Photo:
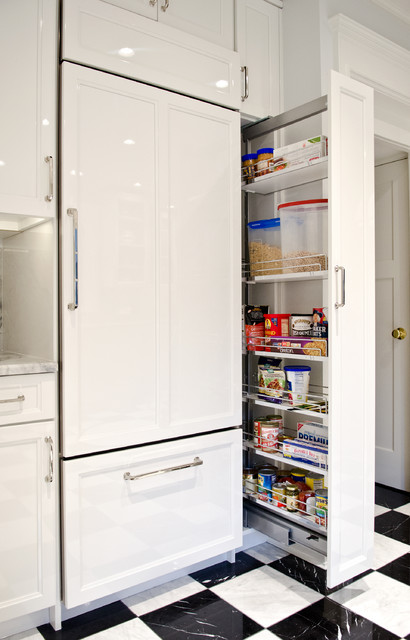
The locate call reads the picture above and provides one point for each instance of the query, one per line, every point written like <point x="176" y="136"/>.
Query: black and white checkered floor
<point x="268" y="594"/>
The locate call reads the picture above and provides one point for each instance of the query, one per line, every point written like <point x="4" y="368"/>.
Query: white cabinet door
<point x="28" y="520"/>
<point x="212" y="20"/>
<point x="119" y="532"/>
<point x="352" y="333"/>
<point x="147" y="8"/>
<point x="258" y="44"/>
<point x="111" y="38"/>
<point x="152" y="349"/>
<point x="28" y="60"/>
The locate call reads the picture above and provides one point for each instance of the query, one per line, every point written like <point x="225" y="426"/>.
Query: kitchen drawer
<point x="27" y="398"/>
<point x="120" y="532"/>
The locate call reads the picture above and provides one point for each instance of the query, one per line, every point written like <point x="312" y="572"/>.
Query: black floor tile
<point x="89" y="623"/>
<point x="308" y="574"/>
<point x="225" y="570"/>
<point x="329" y="620"/>
<point x="390" y="498"/>
<point x="399" y="569"/>
<point x="200" y="617"/>
<point x="393" y="525"/>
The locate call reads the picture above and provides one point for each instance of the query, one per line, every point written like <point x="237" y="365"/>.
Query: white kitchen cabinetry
<point x="151" y="328"/>
<point x="212" y="20"/>
<point x="133" y="515"/>
<point x="110" y="38"/>
<point x="257" y="39"/>
<point x="348" y="374"/>
<point x="28" y="550"/>
<point x="28" y="61"/>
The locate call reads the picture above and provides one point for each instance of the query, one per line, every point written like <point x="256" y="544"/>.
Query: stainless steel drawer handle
<point x="338" y="305"/>
<point x="50" y="477"/>
<point x="246" y="74"/>
<point x="196" y="463"/>
<point x="18" y="399"/>
<point x="50" y="161"/>
<point x="73" y="213"/>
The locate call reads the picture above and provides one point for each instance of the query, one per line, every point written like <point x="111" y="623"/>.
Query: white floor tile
<point x="131" y="630"/>
<point x="379" y="510"/>
<point x="163" y="595"/>
<point x="266" y="552"/>
<point x="404" y="509"/>
<point x="380" y="599"/>
<point x="264" y="635"/>
<point x="265" y="595"/>
<point x="32" y="634"/>
<point x="386" y="550"/>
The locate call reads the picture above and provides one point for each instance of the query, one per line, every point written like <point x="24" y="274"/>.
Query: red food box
<point x="276" y="324"/>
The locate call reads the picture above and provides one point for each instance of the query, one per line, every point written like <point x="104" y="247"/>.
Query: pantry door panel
<point x="110" y="323"/>
<point x="352" y="330"/>
<point x="204" y="266"/>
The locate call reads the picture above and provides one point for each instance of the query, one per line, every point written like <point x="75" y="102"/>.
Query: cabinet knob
<point x="399" y="333"/>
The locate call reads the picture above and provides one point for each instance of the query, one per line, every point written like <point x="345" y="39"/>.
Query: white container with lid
<point x="304" y="235"/>
<point x="264" y="247"/>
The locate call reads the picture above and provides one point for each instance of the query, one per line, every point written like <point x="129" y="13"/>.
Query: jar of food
<point x="292" y="495"/>
<point x="264" y="163"/>
<point x="248" y="166"/>
<point x="279" y="495"/>
<point x="307" y="502"/>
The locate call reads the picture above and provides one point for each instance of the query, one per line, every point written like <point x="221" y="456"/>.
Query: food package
<point x="300" y="346"/>
<point x="255" y="326"/>
<point x="313" y="432"/>
<point x="314" y="454"/>
<point x="271" y="383"/>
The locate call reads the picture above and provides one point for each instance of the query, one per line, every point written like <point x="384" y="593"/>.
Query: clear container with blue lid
<point x="265" y="254"/>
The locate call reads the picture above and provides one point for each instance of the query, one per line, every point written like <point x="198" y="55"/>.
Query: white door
<point x="392" y="312"/>
<point x="28" y="520"/>
<point x="28" y="60"/>
<point x="151" y="327"/>
<point x="351" y="329"/>
<point x="133" y="515"/>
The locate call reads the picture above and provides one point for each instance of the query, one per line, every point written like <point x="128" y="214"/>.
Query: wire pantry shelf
<point x="303" y="346"/>
<point x="300" y="262"/>
<point x="311" y="402"/>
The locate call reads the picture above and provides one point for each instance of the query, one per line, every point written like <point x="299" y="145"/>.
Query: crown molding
<point x="399" y="8"/>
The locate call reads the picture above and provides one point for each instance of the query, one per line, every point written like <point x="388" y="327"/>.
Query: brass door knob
<point x="399" y="333"/>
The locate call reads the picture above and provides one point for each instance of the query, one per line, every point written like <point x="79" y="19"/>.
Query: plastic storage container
<point x="248" y="166"/>
<point x="264" y="247"/>
<point x="264" y="162"/>
<point x="304" y="235"/>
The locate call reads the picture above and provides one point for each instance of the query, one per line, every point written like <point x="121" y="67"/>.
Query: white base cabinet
<point x="28" y="581"/>
<point x="134" y="515"/>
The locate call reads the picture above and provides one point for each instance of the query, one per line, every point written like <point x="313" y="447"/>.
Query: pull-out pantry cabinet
<point x="343" y="396"/>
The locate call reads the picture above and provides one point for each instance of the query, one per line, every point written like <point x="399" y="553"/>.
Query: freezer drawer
<point x="27" y="398"/>
<point x="125" y="523"/>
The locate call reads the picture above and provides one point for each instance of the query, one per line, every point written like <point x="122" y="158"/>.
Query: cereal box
<point x="300" y="346"/>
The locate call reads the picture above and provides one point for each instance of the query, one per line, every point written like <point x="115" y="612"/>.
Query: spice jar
<point x="248" y="169"/>
<point x="264" y="161"/>
<point x="292" y="494"/>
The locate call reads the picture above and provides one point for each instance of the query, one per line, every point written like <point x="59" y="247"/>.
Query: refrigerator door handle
<point x="196" y="463"/>
<point x="74" y="214"/>
<point x="338" y="305"/>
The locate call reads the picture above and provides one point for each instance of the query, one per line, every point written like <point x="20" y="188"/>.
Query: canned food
<point x="292" y="495"/>
<point x="279" y="495"/>
<point x="297" y="475"/>
<point x="248" y="480"/>
<point x="307" y="502"/>
<point x="314" y="481"/>
<point x="266" y="478"/>
<point x="277" y="419"/>
<point x="269" y="434"/>
<point x="321" y="507"/>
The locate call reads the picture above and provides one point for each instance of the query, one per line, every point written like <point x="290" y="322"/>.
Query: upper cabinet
<point x="28" y="60"/>
<point x="212" y="20"/>
<point x="257" y="39"/>
<point x="114" y="38"/>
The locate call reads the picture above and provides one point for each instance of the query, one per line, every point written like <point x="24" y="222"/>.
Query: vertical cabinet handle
<point x="50" y="476"/>
<point x="73" y="213"/>
<point x="342" y="270"/>
<point x="246" y="87"/>
<point x="50" y="161"/>
<point x="165" y="6"/>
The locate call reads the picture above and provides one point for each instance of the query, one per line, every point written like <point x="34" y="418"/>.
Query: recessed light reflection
<point x="129" y="141"/>
<point x="126" y="52"/>
<point x="2" y="163"/>
<point x="222" y="84"/>
<point x="45" y="122"/>
<point x="137" y="184"/>
<point x="72" y="172"/>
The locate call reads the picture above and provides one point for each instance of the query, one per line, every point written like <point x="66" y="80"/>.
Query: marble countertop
<point x="12" y="364"/>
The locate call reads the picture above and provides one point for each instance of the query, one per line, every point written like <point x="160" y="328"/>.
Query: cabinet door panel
<point x="142" y="7"/>
<point x="28" y="105"/>
<point x="28" y="520"/>
<point x="204" y="267"/>
<point x="212" y="20"/>
<point x="110" y="342"/>
<point x="352" y="332"/>
<point x="120" y="533"/>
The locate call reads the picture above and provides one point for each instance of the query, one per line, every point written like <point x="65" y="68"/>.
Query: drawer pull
<point x="196" y="463"/>
<point x="50" y="477"/>
<point x="18" y="399"/>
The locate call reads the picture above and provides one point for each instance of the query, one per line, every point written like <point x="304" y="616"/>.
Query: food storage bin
<point x="264" y="247"/>
<point x="303" y="227"/>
